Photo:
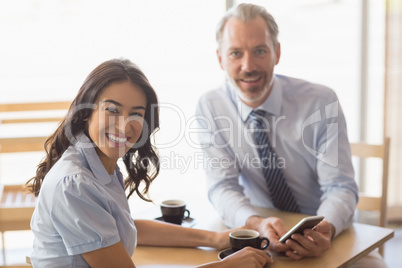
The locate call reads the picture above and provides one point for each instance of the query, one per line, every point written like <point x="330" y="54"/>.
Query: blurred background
<point x="47" y="48"/>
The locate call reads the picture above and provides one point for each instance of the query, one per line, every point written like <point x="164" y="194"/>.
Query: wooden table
<point x="348" y="247"/>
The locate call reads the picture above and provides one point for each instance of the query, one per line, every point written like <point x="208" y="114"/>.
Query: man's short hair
<point x="247" y="12"/>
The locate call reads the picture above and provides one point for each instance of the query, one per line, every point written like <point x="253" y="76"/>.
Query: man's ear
<point x="278" y="52"/>
<point x="218" y="54"/>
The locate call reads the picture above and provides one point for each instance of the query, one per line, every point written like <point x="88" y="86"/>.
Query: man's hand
<point x="272" y="228"/>
<point x="312" y="244"/>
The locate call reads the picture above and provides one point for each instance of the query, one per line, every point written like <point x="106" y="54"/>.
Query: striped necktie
<point x="281" y="195"/>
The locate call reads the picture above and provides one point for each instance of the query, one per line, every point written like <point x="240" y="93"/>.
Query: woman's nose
<point x="120" y="123"/>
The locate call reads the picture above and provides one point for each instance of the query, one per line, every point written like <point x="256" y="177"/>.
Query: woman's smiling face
<point x="116" y="124"/>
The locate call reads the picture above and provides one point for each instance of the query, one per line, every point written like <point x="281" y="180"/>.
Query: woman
<point x="82" y="218"/>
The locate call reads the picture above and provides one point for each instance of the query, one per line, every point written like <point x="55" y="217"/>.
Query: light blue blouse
<point x="307" y="129"/>
<point x="80" y="208"/>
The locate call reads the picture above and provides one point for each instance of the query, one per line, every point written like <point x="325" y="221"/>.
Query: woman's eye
<point x="137" y="114"/>
<point x="112" y="109"/>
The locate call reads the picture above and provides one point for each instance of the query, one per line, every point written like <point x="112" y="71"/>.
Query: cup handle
<point x="185" y="217"/>
<point x="266" y="244"/>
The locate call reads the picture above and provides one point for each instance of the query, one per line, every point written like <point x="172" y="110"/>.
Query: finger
<point x="314" y="236"/>
<point x="293" y="255"/>
<point x="325" y="228"/>
<point x="319" y="240"/>
<point x="275" y="230"/>
<point x="277" y="246"/>
<point x="296" y="247"/>
<point x="263" y="257"/>
<point x="317" y="236"/>
<point x="306" y="247"/>
<point x="307" y="242"/>
<point x="274" y="243"/>
<point x="279" y="227"/>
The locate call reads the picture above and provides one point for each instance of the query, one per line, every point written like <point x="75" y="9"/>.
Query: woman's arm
<point x="247" y="257"/>
<point x="157" y="233"/>
<point x="112" y="256"/>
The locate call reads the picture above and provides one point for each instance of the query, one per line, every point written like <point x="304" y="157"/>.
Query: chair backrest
<point x="28" y="143"/>
<point x="16" y="207"/>
<point x="375" y="203"/>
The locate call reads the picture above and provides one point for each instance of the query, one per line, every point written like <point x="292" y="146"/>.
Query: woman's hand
<point x="247" y="257"/>
<point x="222" y="240"/>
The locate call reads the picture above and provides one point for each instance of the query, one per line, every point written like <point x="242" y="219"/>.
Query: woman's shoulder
<point x="72" y="166"/>
<point x="71" y="162"/>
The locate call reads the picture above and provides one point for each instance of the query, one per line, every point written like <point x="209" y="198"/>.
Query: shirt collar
<point x="84" y="144"/>
<point x="272" y="104"/>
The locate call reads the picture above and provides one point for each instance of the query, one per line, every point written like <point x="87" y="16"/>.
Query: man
<point x="308" y="153"/>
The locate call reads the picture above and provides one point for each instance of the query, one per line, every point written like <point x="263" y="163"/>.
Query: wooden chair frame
<point x="375" y="203"/>
<point x="28" y="144"/>
<point x="16" y="206"/>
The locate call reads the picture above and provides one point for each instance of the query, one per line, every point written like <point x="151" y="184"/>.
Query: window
<point x="48" y="48"/>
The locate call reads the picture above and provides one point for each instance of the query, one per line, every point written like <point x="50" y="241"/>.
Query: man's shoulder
<point x="296" y="86"/>
<point x="218" y="101"/>
<point x="215" y="93"/>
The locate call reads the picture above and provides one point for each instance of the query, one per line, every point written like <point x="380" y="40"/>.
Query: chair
<point x="375" y="203"/>
<point x="16" y="209"/>
<point x="28" y="144"/>
<point x="16" y="206"/>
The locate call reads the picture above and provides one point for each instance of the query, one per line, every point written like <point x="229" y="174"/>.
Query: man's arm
<point x="340" y="193"/>
<point x="215" y="133"/>
<point x="336" y="179"/>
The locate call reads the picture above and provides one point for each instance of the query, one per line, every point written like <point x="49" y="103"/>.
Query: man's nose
<point x="248" y="63"/>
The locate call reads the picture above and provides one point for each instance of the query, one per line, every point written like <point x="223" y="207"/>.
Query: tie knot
<point x="257" y="118"/>
<point x="257" y="113"/>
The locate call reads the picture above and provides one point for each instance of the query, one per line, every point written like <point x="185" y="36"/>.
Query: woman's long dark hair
<point x="145" y="167"/>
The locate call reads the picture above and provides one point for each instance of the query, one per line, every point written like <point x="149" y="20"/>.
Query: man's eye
<point x="235" y="54"/>
<point x="260" y="51"/>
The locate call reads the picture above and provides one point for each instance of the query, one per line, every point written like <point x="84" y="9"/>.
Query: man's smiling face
<point x="248" y="56"/>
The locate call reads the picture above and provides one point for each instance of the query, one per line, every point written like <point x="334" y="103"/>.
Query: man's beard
<point x="254" y="97"/>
